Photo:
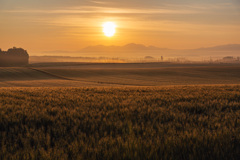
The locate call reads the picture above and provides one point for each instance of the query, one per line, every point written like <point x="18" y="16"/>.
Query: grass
<point x="197" y="122"/>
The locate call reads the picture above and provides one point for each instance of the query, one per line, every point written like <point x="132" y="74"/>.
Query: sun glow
<point x="109" y="29"/>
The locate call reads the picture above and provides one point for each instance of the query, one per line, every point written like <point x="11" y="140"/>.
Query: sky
<point x="45" y="25"/>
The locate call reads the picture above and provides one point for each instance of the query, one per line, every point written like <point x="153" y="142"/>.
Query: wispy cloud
<point x="96" y="10"/>
<point x="99" y="2"/>
<point x="169" y="9"/>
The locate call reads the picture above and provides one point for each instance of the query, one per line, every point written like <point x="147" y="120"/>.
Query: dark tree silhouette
<point x="14" y="57"/>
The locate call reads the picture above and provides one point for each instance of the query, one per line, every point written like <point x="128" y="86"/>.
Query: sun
<point x="109" y="28"/>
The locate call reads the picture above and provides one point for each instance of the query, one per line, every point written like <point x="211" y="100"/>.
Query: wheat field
<point x="120" y="111"/>
<point x="184" y="122"/>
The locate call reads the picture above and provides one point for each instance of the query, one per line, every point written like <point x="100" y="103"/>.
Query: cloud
<point x="221" y="13"/>
<point x="97" y="10"/>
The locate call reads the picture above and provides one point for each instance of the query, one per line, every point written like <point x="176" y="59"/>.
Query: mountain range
<point x="127" y="47"/>
<point x="139" y="50"/>
<point x="229" y="47"/>
<point x="141" y="47"/>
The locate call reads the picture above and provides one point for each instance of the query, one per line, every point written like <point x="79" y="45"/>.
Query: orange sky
<point x="71" y="25"/>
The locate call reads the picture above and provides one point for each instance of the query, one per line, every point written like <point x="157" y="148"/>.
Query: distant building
<point x="228" y="58"/>
<point x="14" y="57"/>
<point x="148" y="57"/>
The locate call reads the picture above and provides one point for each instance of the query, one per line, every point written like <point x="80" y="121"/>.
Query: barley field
<point x="178" y="122"/>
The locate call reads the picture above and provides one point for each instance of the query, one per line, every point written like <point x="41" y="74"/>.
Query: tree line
<point x="14" y="57"/>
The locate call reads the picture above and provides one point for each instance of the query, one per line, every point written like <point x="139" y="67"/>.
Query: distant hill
<point x="229" y="47"/>
<point x="127" y="47"/>
<point x="140" y="50"/>
<point x="141" y="47"/>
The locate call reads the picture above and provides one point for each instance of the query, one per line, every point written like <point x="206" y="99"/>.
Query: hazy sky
<point x="40" y="25"/>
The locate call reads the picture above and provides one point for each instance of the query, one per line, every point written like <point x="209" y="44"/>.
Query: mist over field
<point x="133" y="52"/>
<point x="138" y="53"/>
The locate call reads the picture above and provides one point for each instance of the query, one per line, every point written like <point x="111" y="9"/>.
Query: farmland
<point x="178" y="122"/>
<point x="120" y="111"/>
<point x="149" y="74"/>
